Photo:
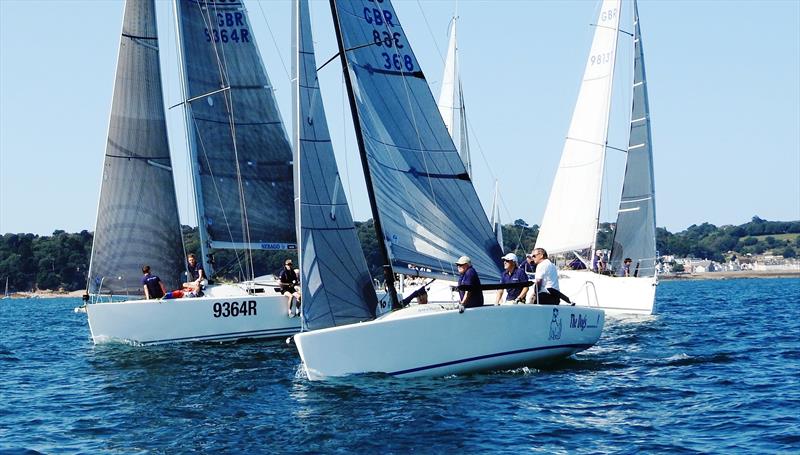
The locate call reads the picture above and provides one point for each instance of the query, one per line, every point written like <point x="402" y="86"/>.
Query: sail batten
<point x="137" y="217"/>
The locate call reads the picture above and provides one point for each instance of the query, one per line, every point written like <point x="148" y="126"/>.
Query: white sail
<point x="635" y="233"/>
<point x="497" y="226"/>
<point x="451" y="101"/>
<point x="571" y="217"/>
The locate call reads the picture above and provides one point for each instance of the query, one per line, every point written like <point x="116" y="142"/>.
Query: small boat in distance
<point x="241" y="167"/>
<point x="6" y="295"/>
<point x="426" y="214"/>
<point x="571" y="219"/>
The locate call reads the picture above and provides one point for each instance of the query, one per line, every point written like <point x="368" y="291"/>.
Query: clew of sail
<point x="423" y="198"/>
<point x="240" y="154"/>
<point x="137" y="217"/>
<point x="336" y="284"/>
<point x="571" y="216"/>
<point x="635" y="234"/>
<point x="451" y="101"/>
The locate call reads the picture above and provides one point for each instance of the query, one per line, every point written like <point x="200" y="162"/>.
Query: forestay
<point x="426" y="204"/>
<point x="451" y="101"/>
<point x="241" y="157"/>
<point x="571" y="217"/>
<point x="137" y="217"/>
<point x="635" y="234"/>
<point x="336" y="284"/>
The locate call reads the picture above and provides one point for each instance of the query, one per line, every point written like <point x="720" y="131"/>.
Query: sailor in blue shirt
<point x="469" y="277"/>
<point x="512" y="274"/>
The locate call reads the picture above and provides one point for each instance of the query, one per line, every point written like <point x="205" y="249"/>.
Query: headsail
<point x="337" y="287"/>
<point x="240" y="154"/>
<point x="451" y="101"/>
<point x="137" y="216"/>
<point x="635" y="234"/>
<point x="422" y="196"/>
<point x="497" y="226"/>
<point x="571" y="217"/>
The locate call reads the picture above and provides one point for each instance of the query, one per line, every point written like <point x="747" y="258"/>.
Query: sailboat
<point x="426" y="214"/>
<point x="6" y="295"/>
<point x="571" y="218"/>
<point x="242" y="174"/>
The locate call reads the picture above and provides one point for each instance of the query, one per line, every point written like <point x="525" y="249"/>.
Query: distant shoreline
<point x="679" y="277"/>
<point x="732" y="275"/>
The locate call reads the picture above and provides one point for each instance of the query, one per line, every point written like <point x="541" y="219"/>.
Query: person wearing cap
<point x="289" y="284"/>
<point x="469" y="277"/>
<point x="511" y="275"/>
<point x="546" y="278"/>
<point x="528" y="266"/>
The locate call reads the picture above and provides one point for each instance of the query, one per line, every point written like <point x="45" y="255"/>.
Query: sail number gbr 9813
<point x="228" y="309"/>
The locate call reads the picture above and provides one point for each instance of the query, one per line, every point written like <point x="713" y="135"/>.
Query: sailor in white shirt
<point x="546" y="277"/>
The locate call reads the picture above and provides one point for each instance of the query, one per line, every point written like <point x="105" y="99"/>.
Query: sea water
<point x="718" y="369"/>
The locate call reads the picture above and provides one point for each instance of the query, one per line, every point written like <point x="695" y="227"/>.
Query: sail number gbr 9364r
<point x="385" y="36"/>
<point x="229" y="27"/>
<point x="233" y="309"/>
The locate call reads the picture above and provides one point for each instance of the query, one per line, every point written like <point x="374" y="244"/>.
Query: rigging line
<point x="428" y="26"/>
<point x="222" y="65"/>
<point x="205" y="95"/>
<point x="344" y="135"/>
<point x="346" y="50"/>
<point x="612" y="28"/>
<point x="275" y="43"/>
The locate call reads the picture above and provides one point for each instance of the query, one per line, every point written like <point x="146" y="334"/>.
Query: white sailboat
<point x="242" y="174"/>
<point x="571" y="218"/>
<point x="426" y="214"/>
<point x="6" y="295"/>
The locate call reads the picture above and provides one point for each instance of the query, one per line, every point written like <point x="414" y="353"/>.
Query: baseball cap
<point x="510" y="257"/>
<point x="464" y="260"/>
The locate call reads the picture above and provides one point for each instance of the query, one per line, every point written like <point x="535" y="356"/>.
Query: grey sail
<point x="137" y="216"/>
<point x="635" y="234"/>
<point x="240" y="154"/>
<point x="423" y="198"/>
<point x="336" y="284"/>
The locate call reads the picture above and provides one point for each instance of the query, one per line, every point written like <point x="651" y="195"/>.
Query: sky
<point x="723" y="79"/>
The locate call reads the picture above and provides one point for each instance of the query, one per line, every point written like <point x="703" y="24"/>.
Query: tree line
<point x="61" y="260"/>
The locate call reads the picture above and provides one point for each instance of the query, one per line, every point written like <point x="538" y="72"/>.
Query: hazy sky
<point x="724" y="85"/>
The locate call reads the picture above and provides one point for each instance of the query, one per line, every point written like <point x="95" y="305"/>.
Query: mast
<point x="388" y="273"/>
<point x="192" y="150"/>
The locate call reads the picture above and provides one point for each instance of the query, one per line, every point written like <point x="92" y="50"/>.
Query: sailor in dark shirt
<point x="153" y="287"/>
<point x="197" y="275"/>
<point x="469" y="277"/>
<point x="512" y="275"/>
<point x="289" y="283"/>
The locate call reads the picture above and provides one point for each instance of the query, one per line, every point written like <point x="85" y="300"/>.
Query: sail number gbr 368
<point x="384" y="35"/>
<point x="233" y="309"/>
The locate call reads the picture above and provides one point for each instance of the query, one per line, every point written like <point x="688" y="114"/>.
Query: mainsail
<point x="240" y="154"/>
<point x="451" y="101"/>
<point x="336" y="284"/>
<point x="572" y="214"/>
<point x="635" y="234"/>
<point x="137" y="216"/>
<point x="497" y="226"/>
<point x="421" y="195"/>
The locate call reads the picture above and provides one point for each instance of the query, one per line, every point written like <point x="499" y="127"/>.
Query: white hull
<point x="615" y="295"/>
<point x="207" y="318"/>
<point x="437" y="340"/>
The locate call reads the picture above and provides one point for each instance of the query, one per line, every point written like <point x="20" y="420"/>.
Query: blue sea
<point x="718" y="370"/>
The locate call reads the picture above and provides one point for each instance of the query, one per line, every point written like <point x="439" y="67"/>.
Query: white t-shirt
<point x="547" y="272"/>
